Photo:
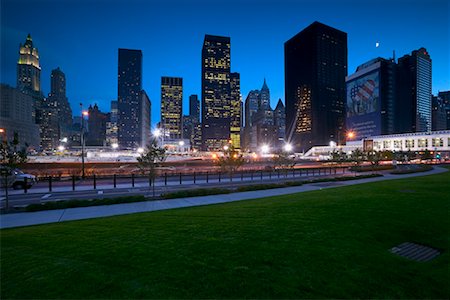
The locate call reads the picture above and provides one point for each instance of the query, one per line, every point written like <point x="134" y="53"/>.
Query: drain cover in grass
<point x="415" y="251"/>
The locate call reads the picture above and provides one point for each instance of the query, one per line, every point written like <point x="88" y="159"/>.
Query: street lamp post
<point x="82" y="140"/>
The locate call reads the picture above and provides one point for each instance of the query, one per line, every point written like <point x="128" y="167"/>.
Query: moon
<point x="377" y="44"/>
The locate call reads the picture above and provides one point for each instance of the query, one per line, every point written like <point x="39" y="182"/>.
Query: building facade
<point x="172" y="107"/>
<point x="438" y="114"/>
<point x="279" y="116"/>
<point x="216" y="92"/>
<point x="96" y="135"/>
<point x="59" y="102"/>
<point x="132" y="102"/>
<point x="414" y="92"/>
<point x="16" y="116"/>
<point x="251" y="107"/>
<point x="371" y="99"/>
<point x="111" y="125"/>
<point x="315" y="70"/>
<point x="236" y="112"/>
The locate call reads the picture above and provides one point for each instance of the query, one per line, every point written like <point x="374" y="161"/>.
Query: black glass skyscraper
<point x="414" y="92"/>
<point x="216" y="92"/>
<point x="133" y="104"/>
<point x="315" y="70"/>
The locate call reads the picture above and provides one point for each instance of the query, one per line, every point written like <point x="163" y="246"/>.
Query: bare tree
<point x="231" y="160"/>
<point x="11" y="156"/>
<point x="150" y="160"/>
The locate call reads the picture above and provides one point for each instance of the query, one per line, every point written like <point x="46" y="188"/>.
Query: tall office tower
<point x="371" y="98"/>
<point x="264" y="97"/>
<point x="236" y="113"/>
<point x="279" y="119"/>
<point x="146" y="119"/>
<point x="194" y="107"/>
<point x="16" y="116"/>
<point x="263" y="119"/>
<point x="96" y="127"/>
<point x="29" y="81"/>
<point x="413" y="112"/>
<point x="172" y="107"/>
<point x="438" y="114"/>
<point x="251" y="107"/>
<point x="315" y="62"/>
<point x="60" y="102"/>
<point x="445" y="96"/>
<point x="132" y="102"/>
<point x="111" y="125"/>
<point x="216" y="93"/>
<point x="28" y="68"/>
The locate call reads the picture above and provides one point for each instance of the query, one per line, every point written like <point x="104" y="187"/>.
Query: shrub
<point x="83" y="203"/>
<point x="193" y="193"/>
<point x="408" y="169"/>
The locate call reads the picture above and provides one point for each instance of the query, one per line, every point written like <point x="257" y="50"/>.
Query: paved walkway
<point x="61" y="215"/>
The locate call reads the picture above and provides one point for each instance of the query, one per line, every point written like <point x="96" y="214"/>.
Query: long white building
<point x="438" y="141"/>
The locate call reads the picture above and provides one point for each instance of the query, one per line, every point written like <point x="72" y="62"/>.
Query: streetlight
<point x="226" y="147"/>
<point x="114" y="146"/>
<point x="83" y="114"/>
<point x="265" y="148"/>
<point x="61" y="148"/>
<point x="140" y="150"/>
<point x="3" y="134"/>
<point x="350" y="135"/>
<point x="288" y="147"/>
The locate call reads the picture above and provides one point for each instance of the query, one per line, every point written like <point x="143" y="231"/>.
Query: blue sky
<point x="82" y="38"/>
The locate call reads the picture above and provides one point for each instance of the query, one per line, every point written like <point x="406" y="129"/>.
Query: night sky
<point x="82" y="38"/>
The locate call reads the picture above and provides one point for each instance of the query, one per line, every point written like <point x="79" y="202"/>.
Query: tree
<point x="357" y="156"/>
<point x="150" y="160"/>
<point x="338" y="156"/>
<point x="426" y="155"/>
<point x="284" y="160"/>
<point x="374" y="157"/>
<point x="11" y="156"/>
<point x="231" y="160"/>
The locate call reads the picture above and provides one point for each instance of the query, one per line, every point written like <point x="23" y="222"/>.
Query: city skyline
<point x="257" y="50"/>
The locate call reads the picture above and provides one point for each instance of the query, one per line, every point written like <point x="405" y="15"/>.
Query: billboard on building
<point x="363" y="105"/>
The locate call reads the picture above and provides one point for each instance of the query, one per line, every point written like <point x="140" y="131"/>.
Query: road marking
<point x="100" y="192"/>
<point x="46" y="196"/>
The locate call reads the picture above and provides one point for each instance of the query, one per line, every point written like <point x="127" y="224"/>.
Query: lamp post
<point x="82" y="140"/>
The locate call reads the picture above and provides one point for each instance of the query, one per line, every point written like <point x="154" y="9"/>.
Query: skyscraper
<point x="192" y="129"/>
<point x="413" y="112"/>
<point x="251" y="107"/>
<point x="264" y="97"/>
<point x="236" y="113"/>
<point x="28" y="68"/>
<point x="172" y="107"/>
<point x="132" y="102"/>
<point x="445" y="96"/>
<point x="216" y="92"/>
<point x="111" y="125"/>
<point x="60" y="102"/>
<point x="279" y="117"/>
<point x="315" y="69"/>
<point x="194" y="107"/>
<point x="29" y="82"/>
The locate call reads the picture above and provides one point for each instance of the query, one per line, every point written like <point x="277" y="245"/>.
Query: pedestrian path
<point x="70" y="214"/>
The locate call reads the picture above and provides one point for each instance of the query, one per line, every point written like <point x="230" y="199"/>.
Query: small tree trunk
<point x="6" y="193"/>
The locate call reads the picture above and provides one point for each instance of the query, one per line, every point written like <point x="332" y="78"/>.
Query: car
<point x="17" y="178"/>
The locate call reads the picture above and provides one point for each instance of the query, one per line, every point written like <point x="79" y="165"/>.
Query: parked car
<point x="16" y="178"/>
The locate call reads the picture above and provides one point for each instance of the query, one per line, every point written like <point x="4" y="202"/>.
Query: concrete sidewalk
<point x="61" y="215"/>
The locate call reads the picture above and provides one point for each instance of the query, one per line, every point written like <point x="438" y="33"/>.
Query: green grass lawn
<point x="322" y="244"/>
